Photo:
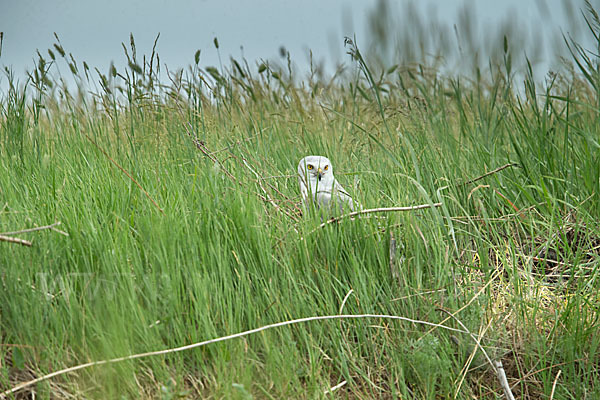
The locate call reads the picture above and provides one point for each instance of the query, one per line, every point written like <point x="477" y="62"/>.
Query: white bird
<point x="319" y="187"/>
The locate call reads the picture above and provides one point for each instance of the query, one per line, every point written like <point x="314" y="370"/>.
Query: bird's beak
<point x="319" y="173"/>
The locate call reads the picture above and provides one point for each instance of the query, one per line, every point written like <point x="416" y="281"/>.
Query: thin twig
<point x="476" y="340"/>
<point x="59" y="231"/>
<point x="345" y="300"/>
<point x="504" y="217"/>
<point x="521" y="380"/>
<point x="393" y="267"/>
<point x="503" y="382"/>
<point x="39" y="228"/>
<point x="278" y="176"/>
<point x="530" y="374"/>
<point x="125" y="172"/>
<point x="336" y="387"/>
<point x="216" y="340"/>
<point x="554" y="384"/>
<point x="548" y="260"/>
<point x="466" y="366"/>
<point x="268" y="197"/>
<point x="489" y="173"/>
<point x="480" y="177"/>
<point x="375" y="210"/>
<point x="510" y="202"/>
<point x="418" y="294"/>
<point x="492" y="278"/>
<point x="236" y="143"/>
<point x="21" y="346"/>
<point x="496" y="365"/>
<point x="200" y="145"/>
<point x="11" y="239"/>
<point x="259" y="180"/>
<point x="6" y="236"/>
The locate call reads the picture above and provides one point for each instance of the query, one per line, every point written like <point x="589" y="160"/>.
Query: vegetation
<point x="180" y="222"/>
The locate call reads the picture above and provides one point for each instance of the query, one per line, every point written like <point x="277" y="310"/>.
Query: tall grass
<point x="515" y="251"/>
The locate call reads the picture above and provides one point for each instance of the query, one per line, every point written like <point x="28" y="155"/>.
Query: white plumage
<point x="319" y="186"/>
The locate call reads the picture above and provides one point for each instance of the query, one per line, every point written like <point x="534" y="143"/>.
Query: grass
<point x="516" y="251"/>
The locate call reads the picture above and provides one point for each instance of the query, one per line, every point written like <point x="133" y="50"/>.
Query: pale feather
<point x="326" y="193"/>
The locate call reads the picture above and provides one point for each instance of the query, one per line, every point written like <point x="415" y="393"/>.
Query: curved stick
<point x="220" y="339"/>
<point x="375" y="210"/>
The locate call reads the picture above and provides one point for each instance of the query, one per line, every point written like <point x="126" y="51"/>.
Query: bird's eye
<point x="310" y="166"/>
<point x="326" y="168"/>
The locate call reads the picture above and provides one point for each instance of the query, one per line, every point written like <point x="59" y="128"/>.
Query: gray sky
<point x="93" y="30"/>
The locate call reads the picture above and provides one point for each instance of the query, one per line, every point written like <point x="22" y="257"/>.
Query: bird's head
<point x="315" y="168"/>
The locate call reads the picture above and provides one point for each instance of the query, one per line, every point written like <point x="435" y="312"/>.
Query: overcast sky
<point x="93" y="30"/>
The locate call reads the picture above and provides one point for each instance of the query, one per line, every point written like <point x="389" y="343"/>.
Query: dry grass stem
<point x="345" y="300"/>
<point x="503" y="382"/>
<point x="38" y="228"/>
<point x="7" y="236"/>
<point x="11" y="239"/>
<point x="236" y="143"/>
<point x="375" y="210"/>
<point x="268" y="197"/>
<point x="336" y="387"/>
<point x="200" y="145"/>
<point x="530" y="374"/>
<point x="125" y="172"/>
<point x="216" y="340"/>
<point x="489" y="173"/>
<point x="496" y="365"/>
<point x="393" y="266"/>
<point x="554" y="384"/>
<point x="475" y="296"/>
